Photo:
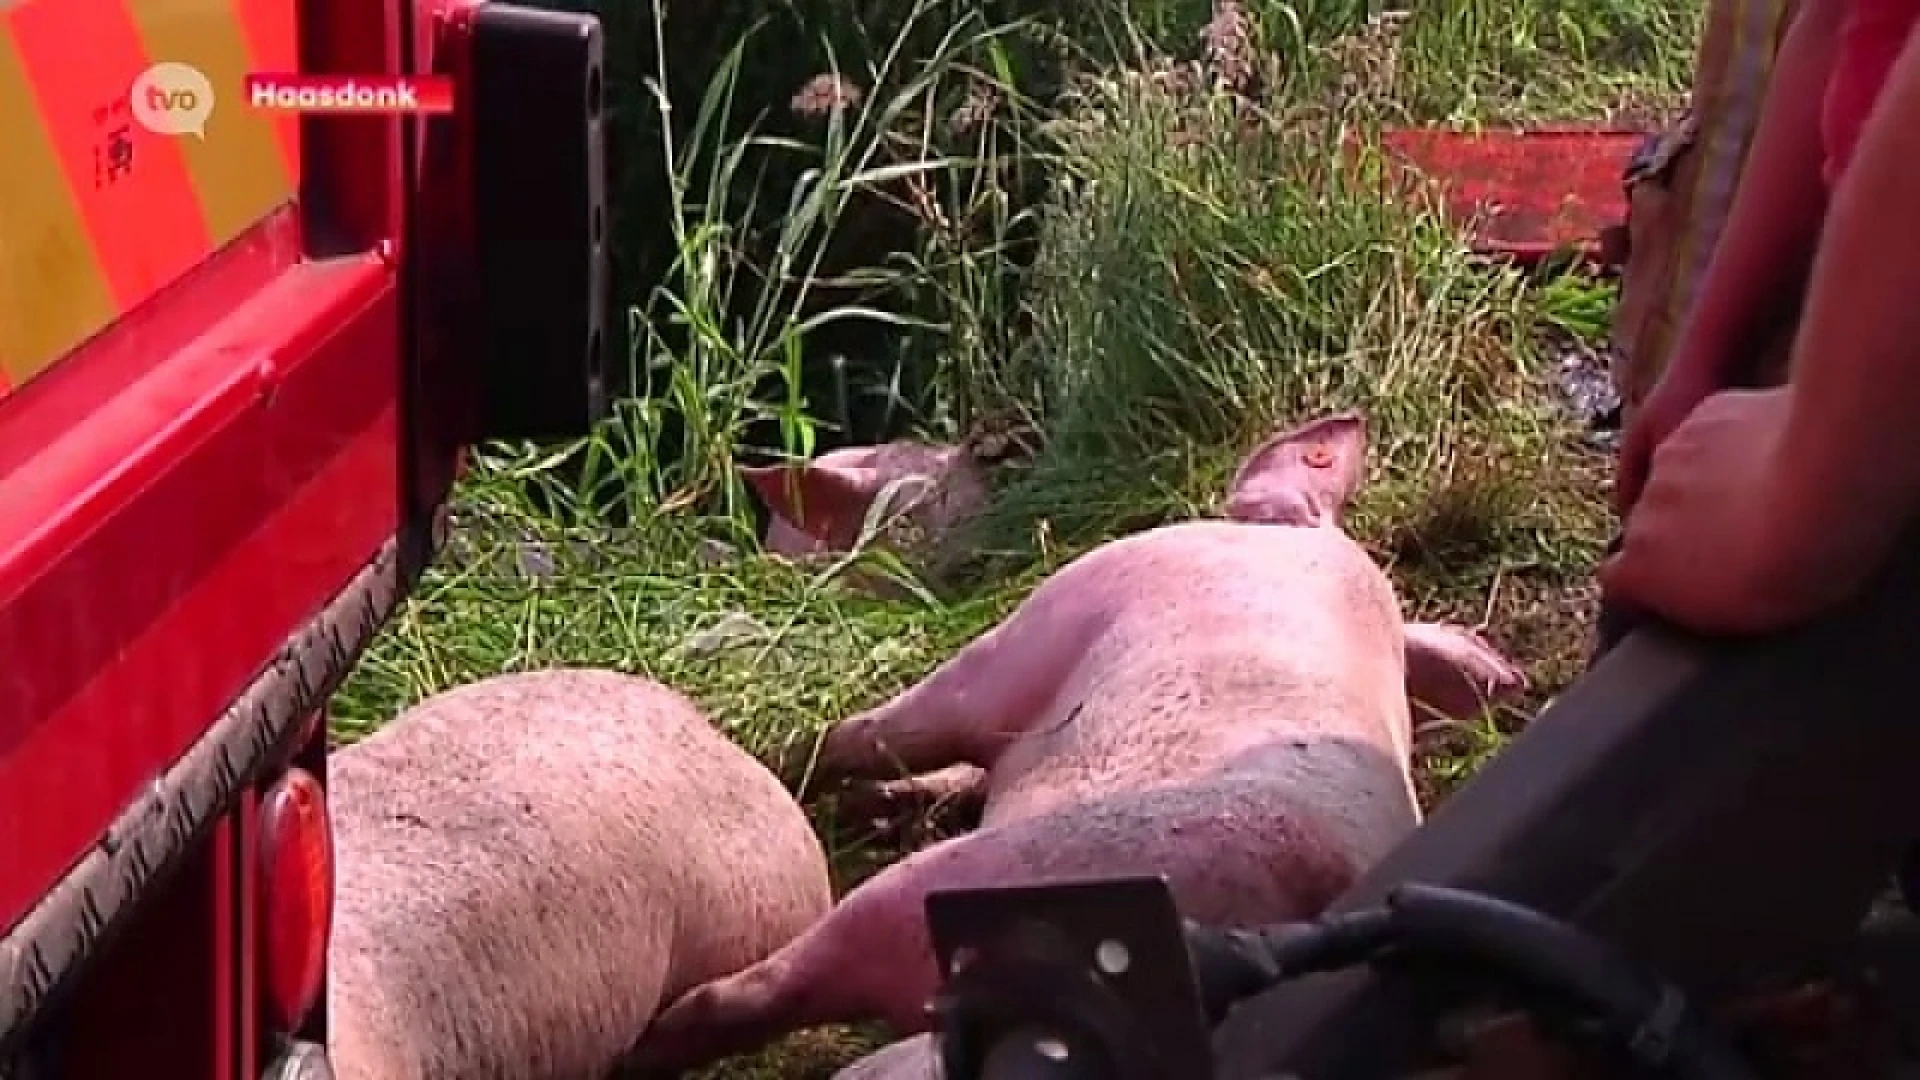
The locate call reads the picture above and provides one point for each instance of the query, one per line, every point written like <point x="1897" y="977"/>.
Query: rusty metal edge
<point x="43" y="952"/>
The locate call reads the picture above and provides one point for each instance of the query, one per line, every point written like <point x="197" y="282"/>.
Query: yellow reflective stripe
<point x="239" y="171"/>
<point x="53" y="292"/>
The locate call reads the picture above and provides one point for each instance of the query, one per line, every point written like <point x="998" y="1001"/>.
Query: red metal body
<point x="208" y="501"/>
<point x="211" y="506"/>
<point x="181" y="495"/>
<point x="1528" y="194"/>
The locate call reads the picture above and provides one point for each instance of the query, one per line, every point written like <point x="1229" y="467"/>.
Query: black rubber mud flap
<point x="1721" y="811"/>
<point x="540" y="221"/>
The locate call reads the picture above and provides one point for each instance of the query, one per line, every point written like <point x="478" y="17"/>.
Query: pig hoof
<point x="919" y="807"/>
<point x="1456" y="673"/>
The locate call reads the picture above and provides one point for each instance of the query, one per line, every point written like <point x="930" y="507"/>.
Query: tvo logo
<point x="172" y="99"/>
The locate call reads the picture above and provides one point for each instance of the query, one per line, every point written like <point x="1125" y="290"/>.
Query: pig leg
<point x="971" y="707"/>
<point x="1454" y="674"/>
<point x="1238" y="851"/>
<point x="958" y="790"/>
<point x="868" y="959"/>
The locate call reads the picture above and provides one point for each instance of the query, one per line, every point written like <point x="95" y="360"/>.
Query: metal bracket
<point x="1101" y="967"/>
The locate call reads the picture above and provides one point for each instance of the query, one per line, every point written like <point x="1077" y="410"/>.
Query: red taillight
<point x="296" y="895"/>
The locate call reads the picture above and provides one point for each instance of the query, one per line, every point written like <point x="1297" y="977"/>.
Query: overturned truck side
<point x="235" y="377"/>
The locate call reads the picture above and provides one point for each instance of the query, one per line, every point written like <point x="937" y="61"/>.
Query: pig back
<point x="1223" y="644"/>
<point x="531" y="864"/>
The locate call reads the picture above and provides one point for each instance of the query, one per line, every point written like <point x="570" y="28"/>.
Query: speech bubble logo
<point x="172" y="99"/>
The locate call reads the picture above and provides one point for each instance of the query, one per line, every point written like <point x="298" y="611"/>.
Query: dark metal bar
<point x="1721" y="811"/>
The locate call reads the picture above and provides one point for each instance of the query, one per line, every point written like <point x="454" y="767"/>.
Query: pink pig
<point x="821" y="507"/>
<point x="1221" y="702"/>
<point x="531" y="864"/>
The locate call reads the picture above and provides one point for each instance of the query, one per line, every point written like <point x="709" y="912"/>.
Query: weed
<point x="1577" y="304"/>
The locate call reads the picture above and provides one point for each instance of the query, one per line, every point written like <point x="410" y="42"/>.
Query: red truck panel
<point x="222" y="498"/>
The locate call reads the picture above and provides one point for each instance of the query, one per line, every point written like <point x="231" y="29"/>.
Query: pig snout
<point x="531" y="864"/>
<point x="823" y="506"/>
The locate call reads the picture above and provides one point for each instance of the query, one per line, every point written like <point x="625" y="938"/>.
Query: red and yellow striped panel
<point x="96" y="212"/>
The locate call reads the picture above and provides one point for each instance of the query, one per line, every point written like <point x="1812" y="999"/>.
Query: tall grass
<point x="723" y="341"/>
<point x="1214" y="264"/>
<point x="1152" y="272"/>
<point x="624" y="548"/>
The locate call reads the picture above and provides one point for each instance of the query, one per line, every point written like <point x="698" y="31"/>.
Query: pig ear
<point x="818" y="499"/>
<point x="1302" y="477"/>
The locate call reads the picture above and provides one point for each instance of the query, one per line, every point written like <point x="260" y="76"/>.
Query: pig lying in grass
<point x="530" y="865"/>
<point x="821" y="507"/>
<point x="1221" y="702"/>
